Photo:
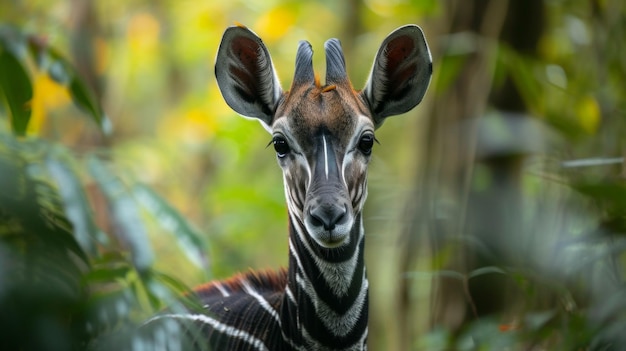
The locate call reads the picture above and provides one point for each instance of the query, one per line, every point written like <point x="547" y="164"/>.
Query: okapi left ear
<point x="246" y="76"/>
<point x="400" y="75"/>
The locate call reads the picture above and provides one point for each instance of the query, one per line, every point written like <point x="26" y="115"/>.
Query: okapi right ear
<point x="400" y="75"/>
<point x="246" y="76"/>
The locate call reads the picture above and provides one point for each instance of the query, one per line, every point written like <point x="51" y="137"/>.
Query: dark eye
<point x="281" y="146"/>
<point x="366" y="143"/>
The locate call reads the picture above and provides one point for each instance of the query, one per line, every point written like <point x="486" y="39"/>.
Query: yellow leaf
<point x="103" y="55"/>
<point x="143" y="32"/>
<point x="47" y="95"/>
<point x="588" y="114"/>
<point x="275" y="23"/>
<point x="194" y="126"/>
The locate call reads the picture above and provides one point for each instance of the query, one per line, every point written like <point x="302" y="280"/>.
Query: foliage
<point x="64" y="282"/>
<point x="535" y="242"/>
<point x="16" y="84"/>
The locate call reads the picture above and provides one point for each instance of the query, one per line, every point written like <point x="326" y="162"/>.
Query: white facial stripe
<point x="325" y="156"/>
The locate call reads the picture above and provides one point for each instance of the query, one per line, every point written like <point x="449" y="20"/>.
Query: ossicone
<point x="335" y="62"/>
<point x="304" y="73"/>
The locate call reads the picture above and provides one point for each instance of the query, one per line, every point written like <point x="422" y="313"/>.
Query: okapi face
<point x="323" y="134"/>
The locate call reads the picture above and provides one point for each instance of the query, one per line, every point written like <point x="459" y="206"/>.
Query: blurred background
<point x="496" y="218"/>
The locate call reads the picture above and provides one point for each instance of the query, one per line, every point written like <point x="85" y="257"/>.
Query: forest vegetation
<point x="496" y="217"/>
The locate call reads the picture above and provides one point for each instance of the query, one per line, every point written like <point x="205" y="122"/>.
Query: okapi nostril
<point x="327" y="216"/>
<point x="315" y="220"/>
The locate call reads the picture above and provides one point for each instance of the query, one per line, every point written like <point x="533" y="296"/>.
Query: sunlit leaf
<point x="128" y="222"/>
<point x="110" y="308"/>
<point x="522" y="70"/>
<point x="50" y="61"/>
<point x="30" y="198"/>
<point x="611" y="194"/>
<point x="275" y="23"/>
<point x="77" y="208"/>
<point x="163" y="332"/>
<point x="60" y="70"/>
<point x="143" y="33"/>
<point x="41" y="292"/>
<point x="448" y="71"/>
<point x="189" y="239"/>
<point x="85" y="100"/>
<point x="588" y="113"/>
<point x="107" y="274"/>
<point x="172" y="282"/>
<point x="16" y="88"/>
<point x="485" y="270"/>
<point x="47" y="95"/>
<point x="537" y="320"/>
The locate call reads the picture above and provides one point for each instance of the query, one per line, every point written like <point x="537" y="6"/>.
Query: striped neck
<point x="325" y="305"/>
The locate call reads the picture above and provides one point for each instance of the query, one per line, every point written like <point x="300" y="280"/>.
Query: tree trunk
<point x="448" y="211"/>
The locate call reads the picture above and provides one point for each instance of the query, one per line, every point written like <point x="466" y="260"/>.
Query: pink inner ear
<point x="245" y="65"/>
<point x="399" y="67"/>
<point x="247" y="51"/>
<point x="398" y="50"/>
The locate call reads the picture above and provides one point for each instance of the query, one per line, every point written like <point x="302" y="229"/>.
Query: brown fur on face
<point x="312" y="109"/>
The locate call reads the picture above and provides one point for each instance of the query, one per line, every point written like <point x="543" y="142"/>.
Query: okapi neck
<point x="328" y="283"/>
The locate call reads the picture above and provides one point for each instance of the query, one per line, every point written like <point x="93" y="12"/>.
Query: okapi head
<point x="323" y="134"/>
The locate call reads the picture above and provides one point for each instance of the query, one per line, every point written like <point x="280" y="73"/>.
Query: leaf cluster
<point x="70" y="279"/>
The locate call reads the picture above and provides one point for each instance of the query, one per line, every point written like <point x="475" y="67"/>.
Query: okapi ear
<point x="400" y="75"/>
<point x="246" y="76"/>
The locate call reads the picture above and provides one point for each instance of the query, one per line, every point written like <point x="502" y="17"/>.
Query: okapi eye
<point x="281" y="146"/>
<point x="366" y="143"/>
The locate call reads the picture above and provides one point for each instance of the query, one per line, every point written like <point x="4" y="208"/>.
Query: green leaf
<point x="128" y="222"/>
<point x="50" y="61"/>
<point x="174" y="292"/>
<point x="171" y="282"/>
<point x="16" y="87"/>
<point x="536" y="320"/>
<point x="63" y="72"/>
<point x="84" y="99"/>
<point x="612" y="194"/>
<point x="448" y="71"/>
<point x="111" y="307"/>
<point x="188" y="238"/>
<point x="28" y="198"/>
<point x="485" y="270"/>
<point x="107" y="274"/>
<point x="76" y="205"/>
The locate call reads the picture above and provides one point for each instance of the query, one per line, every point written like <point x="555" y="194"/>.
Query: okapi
<point x="323" y="136"/>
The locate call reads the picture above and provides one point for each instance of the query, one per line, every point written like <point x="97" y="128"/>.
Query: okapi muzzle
<point x="328" y="210"/>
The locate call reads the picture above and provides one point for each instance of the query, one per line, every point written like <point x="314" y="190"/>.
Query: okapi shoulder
<point x="263" y="282"/>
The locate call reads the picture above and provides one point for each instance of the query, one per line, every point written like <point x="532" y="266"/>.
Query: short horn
<point x="335" y="62"/>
